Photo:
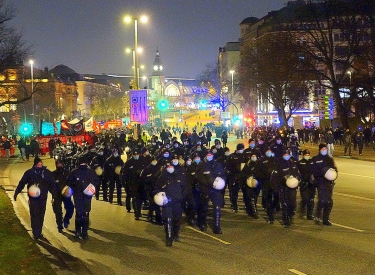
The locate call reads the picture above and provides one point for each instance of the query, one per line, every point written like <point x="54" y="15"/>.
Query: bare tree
<point x="13" y="49"/>
<point x="271" y="69"/>
<point x="334" y="35"/>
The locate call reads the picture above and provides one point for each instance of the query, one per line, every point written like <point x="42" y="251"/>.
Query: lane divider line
<point x="348" y="227"/>
<point x="353" y="196"/>
<point x="295" y="271"/>
<point x="356" y="175"/>
<point x="208" y="235"/>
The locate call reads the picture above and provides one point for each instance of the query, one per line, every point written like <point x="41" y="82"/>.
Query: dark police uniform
<point x="206" y="173"/>
<point x="318" y="165"/>
<point x="60" y="175"/>
<point x="174" y="186"/>
<point x="43" y="178"/>
<point x="79" y="179"/>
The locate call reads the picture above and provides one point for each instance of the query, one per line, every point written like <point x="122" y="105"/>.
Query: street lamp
<point x="135" y="69"/>
<point x="143" y="19"/>
<point x="232" y="73"/>
<point x="32" y="88"/>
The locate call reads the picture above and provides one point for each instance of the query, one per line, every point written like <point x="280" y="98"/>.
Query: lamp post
<point x="143" y="19"/>
<point x="32" y="88"/>
<point x="232" y="73"/>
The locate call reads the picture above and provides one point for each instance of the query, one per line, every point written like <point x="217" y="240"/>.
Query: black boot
<point x="168" y="226"/>
<point x="176" y="230"/>
<point x="271" y="219"/>
<point x="217" y="213"/>
<point x="78" y="232"/>
<point x="326" y="212"/>
<point x="318" y="213"/>
<point x="136" y="211"/>
<point x="310" y="209"/>
<point x="253" y="209"/>
<point x="85" y="226"/>
<point x="286" y="219"/>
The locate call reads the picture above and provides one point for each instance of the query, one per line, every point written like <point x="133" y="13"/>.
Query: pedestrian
<point x="27" y="148"/>
<point x="7" y="145"/>
<point x="22" y="147"/>
<point x="63" y="196"/>
<point x="360" y="142"/>
<point x="224" y="138"/>
<point x="347" y="142"/>
<point x="39" y="181"/>
<point x="34" y="147"/>
<point x="330" y="140"/>
<point x="84" y="182"/>
<point x="324" y="181"/>
<point x="51" y="146"/>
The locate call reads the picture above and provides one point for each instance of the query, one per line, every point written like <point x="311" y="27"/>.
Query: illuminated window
<point x="172" y="90"/>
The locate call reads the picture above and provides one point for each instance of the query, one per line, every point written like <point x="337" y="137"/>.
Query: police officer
<point x="306" y="187"/>
<point x="37" y="177"/>
<point x="83" y="181"/>
<point x="191" y="194"/>
<point x="149" y="176"/>
<point x="131" y="176"/>
<point x="207" y="171"/>
<point x="287" y="168"/>
<point x="97" y="164"/>
<point x="112" y="170"/>
<point x="174" y="186"/>
<point x="264" y="169"/>
<point x="60" y="175"/>
<point x="233" y="169"/>
<point x="250" y="193"/>
<point x="319" y="166"/>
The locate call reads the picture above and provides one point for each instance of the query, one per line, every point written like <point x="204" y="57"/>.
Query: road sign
<point x="138" y="106"/>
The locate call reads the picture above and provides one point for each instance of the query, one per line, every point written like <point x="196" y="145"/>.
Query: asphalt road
<point x="120" y="245"/>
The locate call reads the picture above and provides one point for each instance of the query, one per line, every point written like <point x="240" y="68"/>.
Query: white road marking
<point x="348" y="227"/>
<point x="208" y="235"/>
<point x="296" y="272"/>
<point x="353" y="197"/>
<point x="356" y="175"/>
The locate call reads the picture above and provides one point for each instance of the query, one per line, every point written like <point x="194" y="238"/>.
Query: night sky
<point x="90" y="36"/>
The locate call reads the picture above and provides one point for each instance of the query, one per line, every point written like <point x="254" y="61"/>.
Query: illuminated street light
<point x="143" y="19"/>
<point x="232" y="73"/>
<point x="128" y="50"/>
<point x="32" y="88"/>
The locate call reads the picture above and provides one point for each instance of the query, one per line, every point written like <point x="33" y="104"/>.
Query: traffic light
<point x="26" y="129"/>
<point x="163" y="104"/>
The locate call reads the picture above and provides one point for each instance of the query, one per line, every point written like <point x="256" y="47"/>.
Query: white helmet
<point x="127" y="149"/>
<point x="330" y="174"/>
<point x="292" y="182"/>
<point x="90" y="190"/>
<point x="67" y="192"/>
<point x="161" y="199"/>
<point x="218" y="184"/>
<point x="99" y="171"/>
<point x="252" y="182"/>
<point x="118" y="170"/>
<point x="34" y="191"/>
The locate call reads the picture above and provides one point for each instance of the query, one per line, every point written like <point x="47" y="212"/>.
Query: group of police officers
<point x="186" y="175"/>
